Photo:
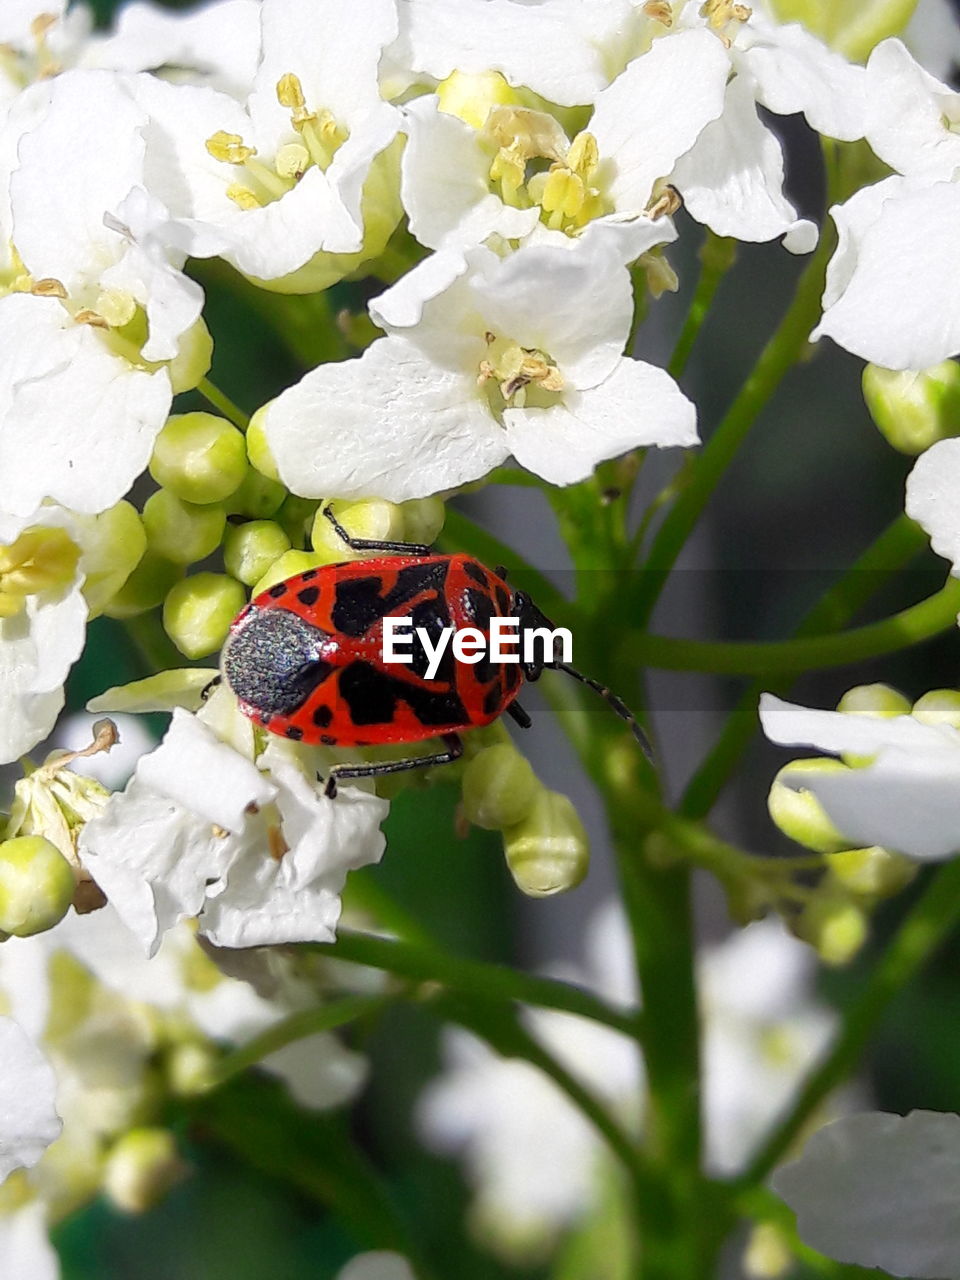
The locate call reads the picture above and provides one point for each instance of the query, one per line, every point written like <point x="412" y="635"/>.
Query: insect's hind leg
<point x="374" y="544"/>
<point x="454" y="750"/>
<point x="517" y="714"/>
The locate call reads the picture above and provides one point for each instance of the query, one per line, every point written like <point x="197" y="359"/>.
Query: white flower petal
<point x="835" y="731"/>
<point x="637" y="405"/>
<point x="198" y="771"/>
<point x="378" y="1265"/>
<point x="402" y="305"/>
<point x="37" y="649"/>
<point x="91" y="138"/>
<point x="732" y="179"/>
<point x="643" y="124"/>
<point x="562" y="49"/>
<point x="389" y="424"/>
<point x="932" y="489"/>
<point x="77" y="423"/>
<point x="795" y="72"/>
<point x="853" y="219"/>
<point x="28" y="1120"/>
<point x="25" y="1247"/>
<point x="900" y="308"/>
<point x="574" y="306"/>
<point x="881" y="1190"/>
<point x="910" y="112"/>
<point x="219" y="41"/>
<point x="445" y="183"/>
<point x="319" y="1071"/>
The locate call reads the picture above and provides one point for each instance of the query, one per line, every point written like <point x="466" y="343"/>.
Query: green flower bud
<point x="423" y="519"/>
<point x="193" y="359"/>
<point x="257" y="497"/>
<point x="836" y="928"/>
<point x="878" y="700"/>
<point x="798" y="813"/>
<point x="296" y="516"/>
<point x="141" y="1168"/>
<point x="114" y="542"/>
<point x="499" y="788"/>
<point x="182" y="531"/>
<point x="36" y="885"/>
<point x="548" y="851"/>
<point x="200" y="457"/>
<point x="852" y="27"/>
<point x="874" y="700"/>
<point x="370" y="518"/>
<point x="470" y="95"/>
<point x="191" y="1067"/>
<point x="250" y="549"/>
<point x="145" y="588"/>
<point x="768" y="1255"/>
<point x="198" y="611"/>
<point x="939" y="706"/>
<point x="914" y="410"/>
<point x="286" y="566"/>
<point x="873" y="872"/>
<point x="258" y="451"/>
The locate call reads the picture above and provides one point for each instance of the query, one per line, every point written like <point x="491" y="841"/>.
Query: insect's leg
<point x="517" y="713"/>
<point x="208" y="688"/>
<point x="454" y="750"/>
<point x="373" y="544"/>
<point x="500" y="571"/>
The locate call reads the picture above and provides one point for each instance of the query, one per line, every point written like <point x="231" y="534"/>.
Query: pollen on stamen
<point x="48" y="287"/>
<point x="93" y="318"/>
<point x="228" y="147"/>
<point x="660" y="12"/>
<point x="276" y="844"/>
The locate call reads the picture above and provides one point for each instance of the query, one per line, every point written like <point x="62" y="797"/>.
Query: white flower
<point x="271" y="183"/>
<point x="533" y="1160"/>
<point x="683" y="112"/>
<point x="28" y="1120"/>
<point x="255" y="850"/>
<point x="25" y="1248"/>
<point x="932" y="489"/>
<point x="518" y="356"/>
<point x="889" y="295"/>
<point x="763" y="1029"/>
<point x="80" y="406"/>
<point x="881" y="1190"/>
<point x="906" y="799"/>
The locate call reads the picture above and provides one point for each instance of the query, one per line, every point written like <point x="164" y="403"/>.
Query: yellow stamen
<point x="293" y="160"/>
<point x="48" y="287"/>
<point x="584" y="155"/>
<point x="276" y="843"/>
<point x="665" y="204"/>
<point x="93" y="318"/>
<point x="229" y="147"/>
<point x="660" y="12"/>
<point x="243" y="196"/>
<point x="39" y="560"/>
<point x="116" y="307"/>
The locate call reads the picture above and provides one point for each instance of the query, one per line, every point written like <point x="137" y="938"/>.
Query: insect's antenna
<point x="618" y="705"/>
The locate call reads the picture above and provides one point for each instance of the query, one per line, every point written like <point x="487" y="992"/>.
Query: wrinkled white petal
<point x="402" y="305"/>
<point x="28" y="1119"/>
<point x="932" y="489"/>
<point x="219" y="42"/>
<point x="198" y="771"/>
<point x="732" y="178"/>
<point x="853" y="219"/>
<point x="900" y="308"/>
<point x="25" y="1248"/>
<point x="637" y="405"/>
<point x="77" y="423"/>
<point x="445" y="183"/>
<point x="562" y="49"/>
<point x="881" y="1190"/>
<point x="389" y="424"/>
<point x="795" y="72"/>
<point x="643" y="125"/>
<point x="910" y="112"/>
<point x="907" y="799"/>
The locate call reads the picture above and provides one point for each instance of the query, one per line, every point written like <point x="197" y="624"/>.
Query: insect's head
<point x="533" y="619"/>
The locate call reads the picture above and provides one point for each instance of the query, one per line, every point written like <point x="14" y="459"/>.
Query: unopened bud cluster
<point x="834" y="914"/>
<point x="545" y="844"/>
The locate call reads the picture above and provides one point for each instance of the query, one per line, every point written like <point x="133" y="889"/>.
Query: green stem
<point x="306" y="1022"/>
<point x="909" y="627"/>
<point x="475" y="979"/>
<point x="778" y="357"/>
<point x="924" y="928"/>
<point x="717" y="256"/>
<point x="899" y="543"/>
<point x="232" y="412"/>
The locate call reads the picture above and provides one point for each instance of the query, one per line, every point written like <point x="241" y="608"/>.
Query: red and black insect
<point x="305" y="657"/>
